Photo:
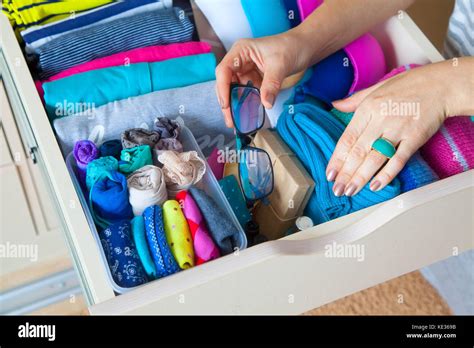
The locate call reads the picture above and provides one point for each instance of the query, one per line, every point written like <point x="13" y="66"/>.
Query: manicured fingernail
<point x="332" y="175"/>
<point x="351" y="189"/>
<point x="338" y="190"/>
<point x="375" y="185"/>
<point x="271" y="99"/>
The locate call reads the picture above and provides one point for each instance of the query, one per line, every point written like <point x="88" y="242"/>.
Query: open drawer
<point x="291" y="275"/>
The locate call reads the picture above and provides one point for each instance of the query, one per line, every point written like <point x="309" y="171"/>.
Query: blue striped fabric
<point x="81" y="20"/>
<point x="153" y="28"/>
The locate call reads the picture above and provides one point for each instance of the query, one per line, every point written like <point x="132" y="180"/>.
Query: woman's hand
<point x="406" y="110"/>
<point x="266" y="62"/>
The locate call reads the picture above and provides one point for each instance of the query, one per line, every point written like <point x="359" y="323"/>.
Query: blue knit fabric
<point x="122" y="257"/>
<point x="160" y="251"/>
<point x="416" y="173"/>
<point x="312" y="133"/>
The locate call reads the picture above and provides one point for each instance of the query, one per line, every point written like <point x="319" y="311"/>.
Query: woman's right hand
<point x="265" y="61"/>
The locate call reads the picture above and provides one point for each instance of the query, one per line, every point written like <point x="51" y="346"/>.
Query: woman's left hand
<point x="406" y="110"/>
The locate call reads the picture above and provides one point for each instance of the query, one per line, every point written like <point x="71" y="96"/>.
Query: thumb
<point x="351" y="103"/>
<point x="271" y="84"/>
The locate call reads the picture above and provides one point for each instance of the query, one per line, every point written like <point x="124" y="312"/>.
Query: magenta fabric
<point x="204" y="247"/>
<point x="216" y="167"/>
<point x="399" y="70"/>
<point x="451" y="150"/>
<point x="368" y="61"/>
<point x="307" y="7"/>
<point x="140" y="55"/>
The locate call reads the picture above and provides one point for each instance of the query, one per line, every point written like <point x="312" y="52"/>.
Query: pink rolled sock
<point x="139" y="55"/>
<point x="204" y="247"/>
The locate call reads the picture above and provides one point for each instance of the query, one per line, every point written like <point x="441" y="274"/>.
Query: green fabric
<point x="344" y="117"/>
<point x="384" y="147"/>
<point x="134" y="159"/>
<point x="98" y="169"/>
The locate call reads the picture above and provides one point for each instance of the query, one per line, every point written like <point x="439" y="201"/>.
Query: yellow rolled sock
<point x="178" y="234"/>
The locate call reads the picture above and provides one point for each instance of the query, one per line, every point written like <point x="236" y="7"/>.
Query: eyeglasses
<point x="255" y="166"/>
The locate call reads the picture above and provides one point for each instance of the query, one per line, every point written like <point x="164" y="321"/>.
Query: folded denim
<point x="134" y="159"/>
<point x="203" y="116"/>
<point x="178" y="234"/>
<point x="146" y="187"/>
<point x="86" y="91"/>
<point x="98" y="168"/>
<point x="204" y="248"/>
<point x="156" y="27"/>
<point x="181" y="170"/>
<point x="163" y="258"/>
<point x="122" y="256"/>
<point x="111" y="148"/>
<point x="312" y="133"/>
<point x="139" y="238"/>
<point x="37" y="36"/>
<point x="108" y="200"/>
<point x="219" y="224"/>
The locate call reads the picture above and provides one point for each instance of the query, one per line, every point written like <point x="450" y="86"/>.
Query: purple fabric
<point x="85" y="152"/>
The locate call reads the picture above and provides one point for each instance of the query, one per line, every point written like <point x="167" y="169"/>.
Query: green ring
<point x="384" y="147"/>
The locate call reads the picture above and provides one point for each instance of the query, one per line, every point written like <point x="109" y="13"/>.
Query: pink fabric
<point x="216" y="167"/>
<point x="368" y="61"/>
<point x="204" y="247"/>
<point x="306" y="7"/>
<point x="140" y="55"/>
<point x="451" y="150"/>
<point x="399" y="70"/>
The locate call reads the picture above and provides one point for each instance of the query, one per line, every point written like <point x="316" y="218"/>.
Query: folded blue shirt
<point x="157" y="27"/>
<point x="91" y="89"/>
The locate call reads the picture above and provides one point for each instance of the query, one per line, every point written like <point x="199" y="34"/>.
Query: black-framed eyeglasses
<point x="255" y="166"/>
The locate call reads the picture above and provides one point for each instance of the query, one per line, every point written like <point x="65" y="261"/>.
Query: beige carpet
<point x="410" y="294"/>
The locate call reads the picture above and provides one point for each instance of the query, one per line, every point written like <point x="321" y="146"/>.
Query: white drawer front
<point x="285" y="276"/>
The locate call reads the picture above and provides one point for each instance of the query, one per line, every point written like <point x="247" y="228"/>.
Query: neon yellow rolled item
<point x="178" y="234"/>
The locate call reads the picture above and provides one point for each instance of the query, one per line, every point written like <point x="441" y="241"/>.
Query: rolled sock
<point x="122" y="256"/>
<point x="221" y="228"/>
<point x="451" y="150"/>
<point x="111" y="148"/>
<point x="85" y="152"/>
<point x="181" y="170"/>
<point x="108" y="200"/>
<point x="139" y="136"/>
<point x="163" y="258"/>
<point x="266" y="17"/>
<point x="146" y="187"/>
<point x="134" y="159"/>
<point x="204" y="247"/>
<point x="167" y="128"/>
<point x="108" y="122"/>
<point x="153" y="28"/>
<point x="178" y="235"/>
<point x="139" y="238"/>
<point x="86" y="91"/>
<point x="312" y="133"/>
<point x="97" y="169"/>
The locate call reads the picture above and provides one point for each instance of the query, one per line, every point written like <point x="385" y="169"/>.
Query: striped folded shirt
<point x="460" y="40"/>
<point x="157" y="27"/>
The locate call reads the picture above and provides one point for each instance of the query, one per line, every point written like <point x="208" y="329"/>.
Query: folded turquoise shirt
<point x="266" y="17"/>
<point x="91" y="89"/>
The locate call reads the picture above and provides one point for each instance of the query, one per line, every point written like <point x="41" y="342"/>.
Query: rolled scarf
<point x="139" y="238"/>
<point x="97" y="169"/>
<point x="451" y="150"/>
<point x="108" y="200"/>
<point x="312" y="133"/>
<point x="219" y="224"/>
<point x="163" y="258"/>
<point x="134" y="159"/>
<point x="178" y="234"/>
<point x="156" y="27"/>
<point x="146" y="187"/>
<point x="415" y="174"/>
<point x="204" y="247"/>
<point x="85" y="152"/>
<point x="181" y="170"/>
<point x="111" y="148"/>
<point x="122" y="256"/>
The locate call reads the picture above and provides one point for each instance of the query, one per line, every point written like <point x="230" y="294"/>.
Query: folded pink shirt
<point x="139" y="55"/>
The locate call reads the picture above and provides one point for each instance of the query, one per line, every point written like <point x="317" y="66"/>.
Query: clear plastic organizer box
<point x="208" y="183"/>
